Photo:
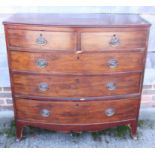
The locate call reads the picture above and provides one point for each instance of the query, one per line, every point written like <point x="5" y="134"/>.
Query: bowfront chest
<point x="76" y="72"/>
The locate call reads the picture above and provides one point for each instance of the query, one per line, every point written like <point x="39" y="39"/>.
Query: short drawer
<point x="85" y="63"/>
<point x="41" y="40"/>
<point x="76" y="86"/>
<point x="100" y="41"/>
<point x="91" y="112"/>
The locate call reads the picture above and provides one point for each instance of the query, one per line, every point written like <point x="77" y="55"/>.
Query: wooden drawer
<point x="41" y="40"/>
<point x="76" y="86"/>
<point x="76" y="112"/>
<point x="100" y="41"/>
<point x="85" y="63"/>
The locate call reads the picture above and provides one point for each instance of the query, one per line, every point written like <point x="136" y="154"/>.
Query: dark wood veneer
<point x="70" y="62"/>
<point x="76" y="86"/>
<point x="79" y="20"/>
<point x="75" y="113"/>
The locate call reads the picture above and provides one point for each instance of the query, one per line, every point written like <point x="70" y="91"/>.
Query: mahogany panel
<point x="41" y="40"/>
<point x="79" y="20"/>
<point x="74" y="29"/>
<point x="70" y="62"/>
<point x="76" y="86"/>
<point x="76" y="112"/>
<point x="101" y="41"/>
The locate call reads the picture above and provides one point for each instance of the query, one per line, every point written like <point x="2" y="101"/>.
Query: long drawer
<point x="76" y="86"/>
<point x="76" y="112"/>
<point x="86" y="63"/>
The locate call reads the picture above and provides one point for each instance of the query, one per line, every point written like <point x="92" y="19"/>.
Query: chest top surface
<point x="77" y="20"/>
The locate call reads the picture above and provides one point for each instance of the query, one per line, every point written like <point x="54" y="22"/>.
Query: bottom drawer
<point x="85" y="112"/>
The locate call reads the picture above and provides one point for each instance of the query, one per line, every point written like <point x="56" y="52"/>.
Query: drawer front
<point x="41" y="40"/>
<point x="99" y="41"/>
<point x="86" y="63"/>
<point x="76" y="86"/>
<point x="76" y="112"/>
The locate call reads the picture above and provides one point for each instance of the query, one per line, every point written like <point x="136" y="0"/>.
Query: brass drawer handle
<point x="43" y="87"/>
<point x="111" y="86"/>
<point x="112" y="63"/>
<point x="109" y="112"/>
<point x="41" y="40"/>
<point x="114" y="40"/>
<point x="41" y="63"/>
<point x="45" y="113"/>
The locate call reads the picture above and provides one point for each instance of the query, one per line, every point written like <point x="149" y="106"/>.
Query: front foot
<point x="134" y="137"/>
<point x="19" y="131"/>
<point x="18" y="140"/>
<point x="133" y="130"/>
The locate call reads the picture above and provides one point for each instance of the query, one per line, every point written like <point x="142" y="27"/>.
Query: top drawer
<point x="41" y="40"/>
<point x="71" y="39"/>
<point x="111" y="40"/>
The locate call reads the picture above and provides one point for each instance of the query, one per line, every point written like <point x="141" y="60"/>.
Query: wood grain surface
<point x="76" y="86"/>
<point x="72" y="63"/>
<point x="76" y="112"/>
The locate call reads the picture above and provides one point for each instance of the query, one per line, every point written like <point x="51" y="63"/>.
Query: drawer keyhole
<point x="76" y="104"/>
<point x="77" y="57"/>
<point x="78" y="54"/>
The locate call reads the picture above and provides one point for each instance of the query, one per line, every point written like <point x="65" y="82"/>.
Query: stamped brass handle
<point x="43" y="87"/>
<point x="112" y="63"/>
<point x="115" y="41"/>
<point x="111" y="86"/>
<point x="45" y="112"/>
<point x="41" y="63"/>
<point x="41" y="40"/>
<point x="109" y="112"/>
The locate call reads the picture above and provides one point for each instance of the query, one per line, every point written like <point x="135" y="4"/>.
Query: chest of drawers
<point x="76" y="72"/>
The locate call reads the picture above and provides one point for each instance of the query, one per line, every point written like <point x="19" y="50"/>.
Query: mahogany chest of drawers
<point x="76" y="72"/>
